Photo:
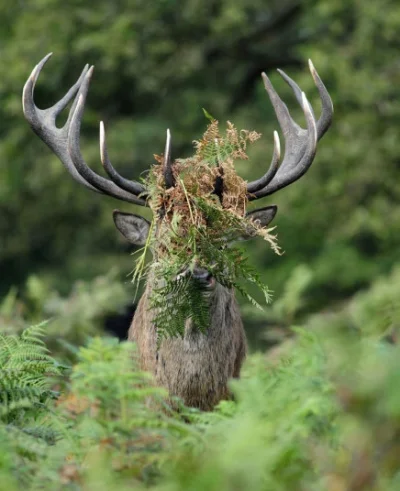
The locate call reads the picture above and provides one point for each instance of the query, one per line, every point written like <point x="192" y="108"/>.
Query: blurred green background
<point x="157" y="64"/>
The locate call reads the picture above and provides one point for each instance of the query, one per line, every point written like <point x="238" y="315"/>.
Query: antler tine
<point x="293" y="85"/>
<point x="282" y="112"/>
<point x="310" y="149"/>
<point x="325" y="119"/>
<point x="130" y="186"/>
<point x="42" y="120"/>
<point x="54" y="111"/>
<point x="258" y="184"/>
<point x="300" y="144"/>
<point x="327" y="106"/>
<point x="305" y="155"/>
<point x="63" y="103"/>
<point x="168" y="175"/>
<point x="99" y="182"/>
<point x="29" y="108"/>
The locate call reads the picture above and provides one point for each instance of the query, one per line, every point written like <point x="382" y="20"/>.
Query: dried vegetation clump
<point x="194" y="222"/>
<point x="209" y="175"/>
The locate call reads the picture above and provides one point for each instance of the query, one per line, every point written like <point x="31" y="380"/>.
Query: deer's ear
<point x="133" y="227"/>
<point x="263" y="216"/>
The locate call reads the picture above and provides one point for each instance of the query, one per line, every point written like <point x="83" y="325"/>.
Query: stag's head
<point x="300" y="149"/>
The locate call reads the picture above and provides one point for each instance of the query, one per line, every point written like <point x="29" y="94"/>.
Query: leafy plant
<point x="25" y="370"/>
<point x="321" y="413"/>
<point x="27" y="420"/>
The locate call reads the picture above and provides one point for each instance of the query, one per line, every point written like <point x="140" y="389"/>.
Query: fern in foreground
<point x="322" y="416"/>
<point x="28" y="424"/>
<point x="26" y="371"/>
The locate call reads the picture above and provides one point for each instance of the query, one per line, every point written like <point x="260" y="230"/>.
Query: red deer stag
<point x="198" y="366"/>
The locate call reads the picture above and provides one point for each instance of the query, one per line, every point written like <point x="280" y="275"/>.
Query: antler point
<point x="312" y="68"/>
<point x="277" y="144"/>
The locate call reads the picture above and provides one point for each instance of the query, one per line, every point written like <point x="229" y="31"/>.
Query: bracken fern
<point x="26" y="369"/>
<point x="195" y="228"/>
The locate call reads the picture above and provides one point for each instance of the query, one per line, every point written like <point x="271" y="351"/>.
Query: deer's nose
<point x="201" y="274"/>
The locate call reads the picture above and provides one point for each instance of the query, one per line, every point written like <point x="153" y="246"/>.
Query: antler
<point x="300" y="144"/>
<point x="65" y="141"/>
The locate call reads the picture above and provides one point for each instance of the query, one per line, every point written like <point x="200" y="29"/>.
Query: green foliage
<point x="72" y="318"/>
<point x="27" y="422"/>
<point x="109" y="412"/>
<point x="292" y="298"/>
<point x="264" y="444"/>
<point x="345" y="210"/>
<point x="182" y="299"/>
<point x="374" y="312"/>
<point x="320" y="413"/>
<point x="118" y="413"/>
<point x="178" y="301"/>
<point x="25" y="368"/>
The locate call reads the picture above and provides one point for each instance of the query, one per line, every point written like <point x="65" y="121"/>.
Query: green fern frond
<point x="26" y="369"/>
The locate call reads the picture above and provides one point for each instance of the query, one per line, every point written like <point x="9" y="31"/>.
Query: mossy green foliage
<point x="193" y="226"/>
<point x="28" y="375"/>
<point x="75" y="317"/>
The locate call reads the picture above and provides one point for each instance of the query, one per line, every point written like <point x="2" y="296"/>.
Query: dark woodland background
<point x="157" y="64"/>
<point x="319" y="411"/>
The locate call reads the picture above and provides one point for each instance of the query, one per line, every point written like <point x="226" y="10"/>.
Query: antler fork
<point x="300" y="144"/>
<point x="65" y="141"/>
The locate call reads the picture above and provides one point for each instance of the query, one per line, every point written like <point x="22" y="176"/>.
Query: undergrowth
<point x="320" y="414"/>
<point x="28" y="375"/>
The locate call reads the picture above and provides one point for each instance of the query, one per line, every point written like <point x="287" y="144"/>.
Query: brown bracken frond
<point x="196" y="176"/>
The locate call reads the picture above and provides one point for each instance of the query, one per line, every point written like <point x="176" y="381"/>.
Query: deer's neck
<point x="197" y="367"/>
<point x="223" y="312"/>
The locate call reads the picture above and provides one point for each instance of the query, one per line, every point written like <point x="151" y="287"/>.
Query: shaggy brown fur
<point x="198" y="367"/>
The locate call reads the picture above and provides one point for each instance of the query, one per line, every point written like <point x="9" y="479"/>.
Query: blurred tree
<point x="157" y="64"/>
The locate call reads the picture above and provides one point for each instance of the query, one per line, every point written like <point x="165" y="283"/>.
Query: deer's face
<point x="136" y="229"/>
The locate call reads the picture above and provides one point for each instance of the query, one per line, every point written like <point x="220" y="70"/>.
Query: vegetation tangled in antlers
<point x="199" y="223"/>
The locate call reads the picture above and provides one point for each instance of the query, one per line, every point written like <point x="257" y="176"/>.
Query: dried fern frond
<point x="194" y="226"/>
